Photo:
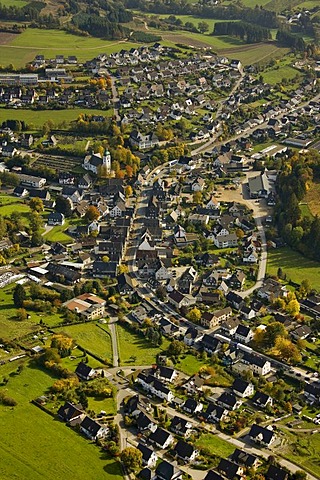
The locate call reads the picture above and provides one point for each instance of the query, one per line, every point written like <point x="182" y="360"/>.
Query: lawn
<point x="189" y="364"/>
<point x="57" y="234"/>
<point x="305" y="210"/>
<point x="36" y="446"/>
<point x="295" y="266"/>
<point x="24" y="47"/>
<point x="135" y="349"/>
<point x="215" y="445"/>
<point x="36" y="118"/>
<point x="92" y="338"/>
<point x="303" y="449"/>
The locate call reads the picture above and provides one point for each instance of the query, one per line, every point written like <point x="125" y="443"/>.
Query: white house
<point x="93" y="429"/>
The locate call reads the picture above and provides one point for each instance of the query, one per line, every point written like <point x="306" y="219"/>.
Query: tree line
<point x="246" y="31"/>
<point x="300" y="232"/>
<point x="287" y="39"/>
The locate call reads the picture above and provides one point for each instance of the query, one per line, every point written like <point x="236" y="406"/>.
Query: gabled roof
<point x="260" y="399"/>
<point x="211" y="475"/>
<point x="276" y="473"/>
<point x="265" y="433"/>
<point x="184" y="449"/>
<point x="68" y="411"/>
<point x="228" y="399"/>
<point x="243" y="458"/>
<point x="240" y="385"/>
<point x="90" y="426"/>
<point x="143" y="421"/>
<point x="83" y="370"/>
<point x="228" y="468"/>
<point x="159" y="436"/>
<point x="166" y="471"/>
<point x="146" y="452"/>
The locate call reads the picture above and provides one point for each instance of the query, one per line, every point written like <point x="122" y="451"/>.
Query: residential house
<point x="261" y="435"/>
<point x="256" y="363"/>
<point x="244" y="458"/>
<point x="235" y="300"/>
<point x="242" y="388"/>
<point x="185" y="451"/>
<point x="84" y="372"/>
<point x="262" y="400"/>
<point x="93" y="429"/>
<point x="149" y="457"/>
<point x="215" y="413"/>
<point x="144" y="422"/>
<point x="178" y="300"/>
<point x="276" y="473"/>
<point x="154" y="386"/>
<point x="211" y="475"/>
<point x="272" y="289"/>
<point x="161" y="438"/>
<point x="230" y="326"/>
<point x="243" y="334"/>
<point x="191" y="336"/>
<point x="210" y="320"/>
<point x="226" y="241"/>
<point x="210" y="344"/>
<point x="230" y="469"/>
<point x="167" y="471"/>
<point x="301" y="333"/>
<point x="166" y="374"/>
<point x="192" y="406"/>
<point x="228" y="401"/>
<point x="55" y="218"/>
<point x="180" y="426"/>
<point x="312" y="392"/>
<point x="71" y="413"/>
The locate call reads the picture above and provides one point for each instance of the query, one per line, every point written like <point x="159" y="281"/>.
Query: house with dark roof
<point x="166" y="374"/>
<point x="215" y="413"/>
<point x="242" y="388"/>
<point x="212" y="475"/>
<point x="210" y="344"/>
<point x="71" y="413"/>
<point x="154" y="386"/>
<point x="261" y="400"/>
<point x="55" y="218"/>
<point x="144" y="422"/>
<point x="243" y="334"/>
<point x="228" y="401"/>
<point x="161" y="438"/>
<point x="261" y="435"/>
<point x="85" y="372"/>
<point x="192" y="406"/>
<point x="301" y="333"/>
<point x="235" y="300"/>
<point x="61" y="273"/>
<point x="244" y="458"/>
<point x="230" y="469"/>
<point x="167" y="471"/>
<point x="276" y="473"/>
<point x="126" y="284"/>
<point x="180" y="426"/>
<point x="131" y="406"/>
<point x="256" y="363"/>
<point x="92" y="429"/>
<point x="149" y="457"/>
<point x="190" y="336"/>
<point x="185" y="451"/>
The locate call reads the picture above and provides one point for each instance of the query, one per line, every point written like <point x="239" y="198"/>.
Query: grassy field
<point x="275" y="75"/>
<point x="35" y="118"/>
<point x="135" y="349"/>
<point x="24" y="47"/>
<point x="14" y="3"/>
<point x="313" y="198"/>
<point x="56" y="234"/>
<point x="296" y="267"/>
<point x="35" y="446"/>
<point x="92" y="338"/>
<point x="215" y="445"/>
<point x="303" y="449"/>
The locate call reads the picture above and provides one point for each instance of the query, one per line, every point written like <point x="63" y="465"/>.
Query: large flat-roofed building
<point x="19" y="79"/>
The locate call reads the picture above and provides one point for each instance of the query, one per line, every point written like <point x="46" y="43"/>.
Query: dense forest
<point x="300" y="232"/>
<point x="245" y="31"/>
